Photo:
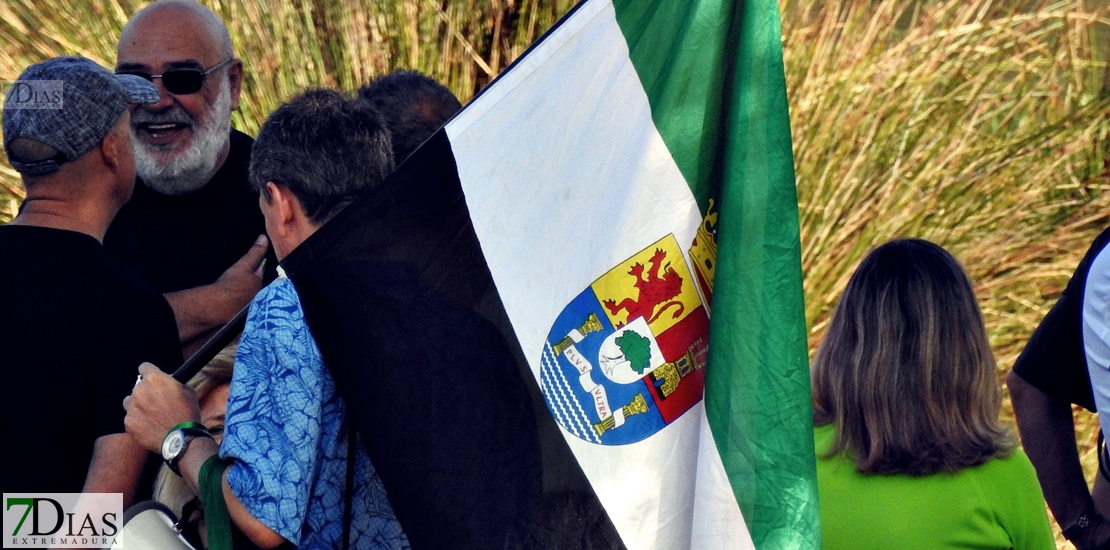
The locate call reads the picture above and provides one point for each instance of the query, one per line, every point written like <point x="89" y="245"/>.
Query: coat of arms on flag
<point x="626" y="356"/>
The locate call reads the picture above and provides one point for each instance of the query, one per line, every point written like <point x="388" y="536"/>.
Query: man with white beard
<point x="193" y="227"/>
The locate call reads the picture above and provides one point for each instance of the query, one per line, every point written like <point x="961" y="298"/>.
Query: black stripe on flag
<point x="398" y="296"/>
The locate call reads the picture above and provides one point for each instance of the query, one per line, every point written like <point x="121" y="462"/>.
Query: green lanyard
<point x="216" y="516"/>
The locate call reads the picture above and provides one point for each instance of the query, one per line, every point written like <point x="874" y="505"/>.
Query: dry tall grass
<point x="290" y="45"/>
<point x="981" y="128"/>
<point x="980" y="124"/>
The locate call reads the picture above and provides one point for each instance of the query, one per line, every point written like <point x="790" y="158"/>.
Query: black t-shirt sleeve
<point x="1054" y="360"/>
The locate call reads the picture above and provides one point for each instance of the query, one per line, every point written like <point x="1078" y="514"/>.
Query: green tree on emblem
<point x="636" y="349"/>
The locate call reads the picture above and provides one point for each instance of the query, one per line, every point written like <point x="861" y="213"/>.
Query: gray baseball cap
<point x="69" y="103"/>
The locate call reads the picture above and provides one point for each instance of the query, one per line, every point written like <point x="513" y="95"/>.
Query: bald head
<point x="184" y="138"/>
<point x="169" y="15"/>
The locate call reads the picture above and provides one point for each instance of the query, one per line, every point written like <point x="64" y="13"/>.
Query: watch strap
<point x="189" y="430"/>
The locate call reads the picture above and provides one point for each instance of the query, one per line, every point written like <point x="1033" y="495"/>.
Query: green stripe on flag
<point x="679" y="59"/>
<point x="713" y="73"/>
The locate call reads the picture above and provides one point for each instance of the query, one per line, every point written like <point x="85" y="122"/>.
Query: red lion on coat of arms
<point x="654" y="291"/>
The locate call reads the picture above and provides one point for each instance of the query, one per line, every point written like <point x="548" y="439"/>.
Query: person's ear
<point x="235" y="81"/>
<point x="284" y="206"/>
<point x="111" y="150"/>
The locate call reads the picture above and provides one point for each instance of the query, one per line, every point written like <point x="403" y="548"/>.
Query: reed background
<point x="983" y="125"/>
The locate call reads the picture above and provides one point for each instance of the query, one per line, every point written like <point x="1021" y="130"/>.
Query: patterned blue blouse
<point x="287" y="431"/>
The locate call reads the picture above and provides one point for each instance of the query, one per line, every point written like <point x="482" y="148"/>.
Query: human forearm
<point x="1048" y="437"/>
<point x="200" y="310"/>
<point x="116" y="465"/>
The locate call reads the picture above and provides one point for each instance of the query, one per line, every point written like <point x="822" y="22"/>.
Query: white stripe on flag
<point x="566" y="176"/>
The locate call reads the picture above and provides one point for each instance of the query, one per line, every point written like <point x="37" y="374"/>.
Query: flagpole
<point x="217" y="342"/>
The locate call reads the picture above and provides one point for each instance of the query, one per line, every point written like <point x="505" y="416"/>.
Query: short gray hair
<point x="325" y="148"/>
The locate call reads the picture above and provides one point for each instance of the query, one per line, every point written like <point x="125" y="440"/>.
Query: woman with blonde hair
<point x="911" y="453"/>
<point x="211" y="385"/>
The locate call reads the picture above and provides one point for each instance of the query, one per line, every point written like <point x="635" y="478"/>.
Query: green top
<point x="994" y="505"/>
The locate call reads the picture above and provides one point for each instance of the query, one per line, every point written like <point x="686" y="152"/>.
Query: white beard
<point x="191" y="169"/>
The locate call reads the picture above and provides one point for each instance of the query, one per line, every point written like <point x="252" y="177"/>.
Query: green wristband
<point x="183" y="425"/>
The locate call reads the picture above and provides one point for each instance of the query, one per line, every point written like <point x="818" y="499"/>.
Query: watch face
<point x="173" y="444"/>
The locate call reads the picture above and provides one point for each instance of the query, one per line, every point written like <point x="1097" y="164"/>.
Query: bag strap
<point x="216" y="517"/>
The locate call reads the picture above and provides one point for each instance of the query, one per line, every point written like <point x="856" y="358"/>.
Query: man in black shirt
<point x="193" y="215"/>
<point x="1048" y="377"/>
<point x="75" y="325"/>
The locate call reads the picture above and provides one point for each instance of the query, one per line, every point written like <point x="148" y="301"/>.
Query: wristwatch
<point x="177" y="442"/>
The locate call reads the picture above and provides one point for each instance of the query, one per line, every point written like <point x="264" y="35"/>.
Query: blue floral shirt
<point x="287" y="432"/>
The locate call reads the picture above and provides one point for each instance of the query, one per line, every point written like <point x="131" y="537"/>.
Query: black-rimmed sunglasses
<point x="180" y="81"/>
